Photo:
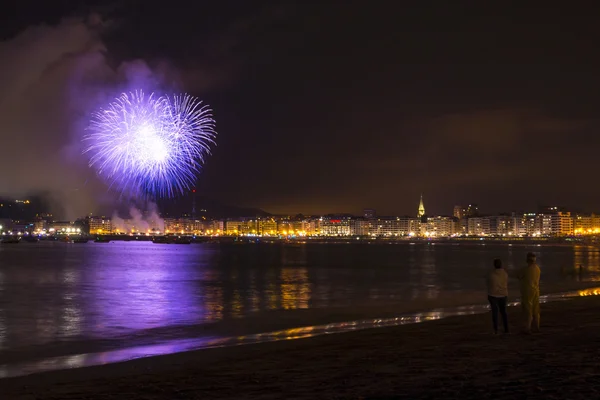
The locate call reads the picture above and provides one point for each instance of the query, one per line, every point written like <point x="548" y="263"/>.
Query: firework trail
<point x="150" y="145"/>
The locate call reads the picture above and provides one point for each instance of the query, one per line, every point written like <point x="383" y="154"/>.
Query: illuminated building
<point x="99" y="225"/>
<point x="360" y="227"/>
<point x="267" y="227"/>
<point x="501" y="225"/>
<point x="584" y="224"/>
<point x="40" y="225"/>
<point x="216" y="227"/>
<point x="171" y="225"/>
<point x="183" y="225"/>
<point x="60" y="226"/>
<point x="336" y="227"/>
<point x="478" y="226"/>
<point x="385" y="226"/>
<point x="284" y="227"/>
<point x="543" y="225"/>
<point x="524" y="224"/>
<point x="188" y="225"/>
<point x="249" y="227"/>
<point x="233" y="227"/>
<point x="421" y="210"/>
<point x="596" y="223"/>
<point x="409" y="225"/>
<point x="562" y="224"/>
<point x="311" y="227"/>
<point x="459" y="212"/>
<point x="198" y="226"/>
<point x="440" y="226"/>
<point x="318" y="223"/>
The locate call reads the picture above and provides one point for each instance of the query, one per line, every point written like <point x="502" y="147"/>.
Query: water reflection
<point x="182" y="345"/>
<point x="586" y="264"/>
<point x="295" y="288"/>
<point x="54" y="294"/>
<point x="147" y="292"/>
<point x="590" y="292"/>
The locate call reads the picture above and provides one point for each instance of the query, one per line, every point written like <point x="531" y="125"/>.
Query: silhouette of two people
<point x="529" y="279"/>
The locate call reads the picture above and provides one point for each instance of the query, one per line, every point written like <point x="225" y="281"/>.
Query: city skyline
<point x="246" y="212"/>
<point x="466" y="220"/>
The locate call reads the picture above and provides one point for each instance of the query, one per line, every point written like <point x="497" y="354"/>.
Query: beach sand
<point x="457" y="357"/>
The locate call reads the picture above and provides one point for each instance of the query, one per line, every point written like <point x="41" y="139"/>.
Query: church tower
<point x="421" y="211"/>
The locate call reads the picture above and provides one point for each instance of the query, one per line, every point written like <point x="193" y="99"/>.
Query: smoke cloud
<point x="139" y="221"/>
<point x="52" y="77"/>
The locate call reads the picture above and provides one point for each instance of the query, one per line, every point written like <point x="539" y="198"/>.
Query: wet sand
<point x="456" y="357"/>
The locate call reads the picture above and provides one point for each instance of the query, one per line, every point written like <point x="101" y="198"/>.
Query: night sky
<point x="321" y="107"/>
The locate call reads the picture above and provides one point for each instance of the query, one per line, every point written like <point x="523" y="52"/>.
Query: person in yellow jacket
<point x="530" y="294"/>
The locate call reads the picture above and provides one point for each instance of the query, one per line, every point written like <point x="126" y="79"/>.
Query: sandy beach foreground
<point x="450" y="358"/>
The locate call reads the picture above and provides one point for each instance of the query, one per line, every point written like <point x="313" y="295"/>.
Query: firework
<point x="150" y="145"/>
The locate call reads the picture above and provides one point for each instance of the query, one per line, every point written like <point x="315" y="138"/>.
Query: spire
<point x="421" y="211"/>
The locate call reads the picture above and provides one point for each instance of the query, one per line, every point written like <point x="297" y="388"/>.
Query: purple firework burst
<point x="150" y="145"/>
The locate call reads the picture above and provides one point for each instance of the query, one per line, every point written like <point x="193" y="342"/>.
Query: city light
<point x="508" y="227"/>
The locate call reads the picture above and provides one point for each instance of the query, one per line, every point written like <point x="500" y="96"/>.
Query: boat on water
<point x="31" y="239"/>
<point x="10" y="240"/>
<point x="172" y="240"/>
<point x="81" y="240"/>
<point x="160" y="240"/>
<point x="102" y="239"/>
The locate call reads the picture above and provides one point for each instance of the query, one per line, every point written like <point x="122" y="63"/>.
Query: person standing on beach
<point x="497" y="282"/>
<point x="530" y="293"/>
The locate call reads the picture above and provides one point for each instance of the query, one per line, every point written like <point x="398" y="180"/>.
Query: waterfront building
<point x="40" y="225"/>
<point x="284" y="227"/>
<point x="524" y="224"/>
<point x="299" y="227"/>
<point x="385" y="226"/>
<point x="441" y="226"/>
<point x="409" y="226"/>
<point x="171" y="225"/>
<point x="336" y="227"/>
<point x="562" y="224"/>
<point x="595" y="223"/>
<point x="421" y="209"/>
<point x="98" y="225"/>
<point x="199" y="226"/>
<point x="188" y="225"/>
<point x="501" y="225"/>
<point x="478" y="226"/>
<point x="543" y="225"/>
<point x="318" y="224"/>
<point x="215" y="227"/>
<point x="361" y="227"/>
<point x="583" y="224"/>
<point x="233" y="227"/>
<point x="266" y="227"/>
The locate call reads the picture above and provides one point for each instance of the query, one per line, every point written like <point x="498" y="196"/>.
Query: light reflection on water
<point x="182" y="345"/>
<point x="53" y="294"/>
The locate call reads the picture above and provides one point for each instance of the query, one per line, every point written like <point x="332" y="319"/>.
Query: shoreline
<point x="188" y="238"/>
<point x="253" y="329"/>
<point x="376" y="358"/>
